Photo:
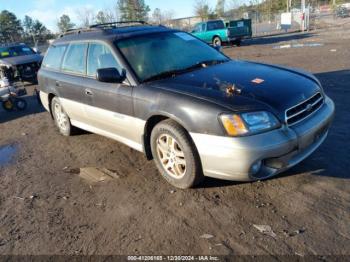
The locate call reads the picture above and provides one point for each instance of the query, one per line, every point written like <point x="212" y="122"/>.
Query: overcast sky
<point x="48" y="11"/>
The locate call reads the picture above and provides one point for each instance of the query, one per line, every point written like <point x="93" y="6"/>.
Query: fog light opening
<point x="255" y="168"/>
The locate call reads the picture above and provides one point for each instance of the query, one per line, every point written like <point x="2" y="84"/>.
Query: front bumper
<point x="233" y="158"/>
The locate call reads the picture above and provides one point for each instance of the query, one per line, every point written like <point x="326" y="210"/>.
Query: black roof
<point x="110" y="32"/>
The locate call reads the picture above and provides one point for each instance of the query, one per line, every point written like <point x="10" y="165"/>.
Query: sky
<point x="48" y="11"/>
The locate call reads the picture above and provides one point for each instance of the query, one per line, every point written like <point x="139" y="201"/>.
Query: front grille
<point x="301" y="111"/>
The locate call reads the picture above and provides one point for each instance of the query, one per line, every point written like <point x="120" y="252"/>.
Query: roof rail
<point x="77" y="31"/>
<point x="102" y="26"/>
<point x="119" y="23"/>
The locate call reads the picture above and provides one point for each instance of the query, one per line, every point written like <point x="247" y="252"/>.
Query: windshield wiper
<point x="213" y="62"/>
<point x="173" y="73"/>
<point x="166" y="74"/>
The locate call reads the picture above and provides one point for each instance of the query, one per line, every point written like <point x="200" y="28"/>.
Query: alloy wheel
<point x="61" y="117"/>
<point x="171" y="156"/>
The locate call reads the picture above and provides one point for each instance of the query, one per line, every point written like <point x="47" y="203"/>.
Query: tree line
<point x="28" y="30"/>
<point x="124" y="10"/>
<point x="33" y="31"/>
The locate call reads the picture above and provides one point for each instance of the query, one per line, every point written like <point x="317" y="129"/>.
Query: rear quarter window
<point x="53" y="57"/>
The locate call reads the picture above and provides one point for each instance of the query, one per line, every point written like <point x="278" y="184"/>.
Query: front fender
<point x="194" y="114"/>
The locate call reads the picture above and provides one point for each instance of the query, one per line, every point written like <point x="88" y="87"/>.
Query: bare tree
<point x="220" y="8"/>
<point x="162" y="17"/>
<point x="157" y="16"/>
<point x="202" y="9"/>
<point x="234" y="4"/>
<point x="105" y="16"/>
<point x="86" y="16"/>
<point x="168" y="16"/>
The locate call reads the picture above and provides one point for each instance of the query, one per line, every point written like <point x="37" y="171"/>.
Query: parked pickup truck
<point x="215" y="32"/>
<point x="239" y="29"/>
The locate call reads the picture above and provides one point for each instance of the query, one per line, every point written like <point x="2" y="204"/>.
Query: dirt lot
<point x="46" y="208"/>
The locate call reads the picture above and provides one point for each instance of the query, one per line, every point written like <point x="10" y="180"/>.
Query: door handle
<point x="57" y="83"/>
<point x="88" y="92"/>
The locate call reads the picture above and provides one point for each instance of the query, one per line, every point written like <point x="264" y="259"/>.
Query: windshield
<point x="11" y="51"/>
<point x="170" y="52"/>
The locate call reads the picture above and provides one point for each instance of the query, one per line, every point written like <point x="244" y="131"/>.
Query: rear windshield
<point x="11" y="51"/>
<point x="215" y="25"/>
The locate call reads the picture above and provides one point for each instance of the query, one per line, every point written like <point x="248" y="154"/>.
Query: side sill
<point x="113" y="136"/>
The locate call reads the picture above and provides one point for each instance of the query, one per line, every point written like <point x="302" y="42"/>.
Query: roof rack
<point x="102" y="26"/>
<point x="118" y="24"/>
<point x="77" y="31"/>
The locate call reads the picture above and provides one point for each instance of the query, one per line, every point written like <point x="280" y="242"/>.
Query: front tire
<point x="217" y="41"/>
<point x="175" y="155"/>
<point x="61" y="118"/>
<point x="20" y="104"/>
<point x="8" y="105"/>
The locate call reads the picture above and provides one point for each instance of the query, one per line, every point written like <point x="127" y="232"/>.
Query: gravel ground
<point x="46" y="208"/>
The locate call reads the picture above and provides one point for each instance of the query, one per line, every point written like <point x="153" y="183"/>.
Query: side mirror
<point x="110" y="75"/>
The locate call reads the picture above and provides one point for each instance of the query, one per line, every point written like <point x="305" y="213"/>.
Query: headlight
<point x="248" y="123"/>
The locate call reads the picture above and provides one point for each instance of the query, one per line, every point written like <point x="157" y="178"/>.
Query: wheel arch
<point x="50" y="97"/>
<point x="212" y="39"/>
<point x="151" y="122"/>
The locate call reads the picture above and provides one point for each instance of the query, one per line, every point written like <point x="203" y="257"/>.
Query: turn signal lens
<point x="234" y="125"/>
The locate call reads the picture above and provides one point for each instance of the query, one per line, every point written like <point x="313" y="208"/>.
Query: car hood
<point x="19" y="60"/>
<point x="260" y="85"/>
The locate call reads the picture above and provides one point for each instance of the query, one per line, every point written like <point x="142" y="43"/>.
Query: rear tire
<point x="175" y="155"/>
<point x="61" y="118"/>
<point x="238" y="42"/>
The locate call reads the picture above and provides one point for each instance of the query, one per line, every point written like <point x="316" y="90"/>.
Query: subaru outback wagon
<point x="183" y="103"/>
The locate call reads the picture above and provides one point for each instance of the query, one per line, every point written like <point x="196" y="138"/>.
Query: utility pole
<point x="289" y="4"/>
<point x="303" y="15"/>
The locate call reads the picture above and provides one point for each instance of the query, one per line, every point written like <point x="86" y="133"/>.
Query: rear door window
<point x="75" y="59"/>
<point x="53" y="57"/>
<point x="100" y="56"/>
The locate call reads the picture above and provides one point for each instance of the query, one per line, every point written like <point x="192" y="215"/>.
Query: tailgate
<point x="239" y="31"/>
